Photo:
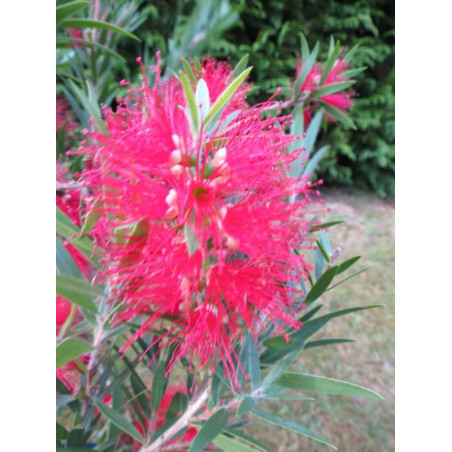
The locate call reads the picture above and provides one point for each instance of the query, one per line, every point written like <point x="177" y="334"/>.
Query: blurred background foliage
<point x="269" y="30"/>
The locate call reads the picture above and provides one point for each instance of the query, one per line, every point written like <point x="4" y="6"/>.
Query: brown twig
<point x="183" y="421"/>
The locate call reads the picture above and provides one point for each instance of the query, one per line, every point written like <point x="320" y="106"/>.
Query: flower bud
<point x="220" y="157"/>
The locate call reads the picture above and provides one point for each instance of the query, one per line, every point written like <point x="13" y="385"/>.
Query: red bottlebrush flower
<point x="312" y="80"/>
<point x="341" y="100"/>
<point x="216" y="240"/>
<point x="217" y="77"/>
<point x="63" y="115"/>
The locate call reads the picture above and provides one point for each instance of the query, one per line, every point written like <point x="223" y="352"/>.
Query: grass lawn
<point x="353" y="424"/>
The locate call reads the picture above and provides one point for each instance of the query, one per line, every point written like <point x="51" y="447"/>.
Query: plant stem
<point x="180" y="424"/>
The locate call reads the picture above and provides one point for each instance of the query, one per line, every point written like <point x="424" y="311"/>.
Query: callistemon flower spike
<point x="215" y="257"/>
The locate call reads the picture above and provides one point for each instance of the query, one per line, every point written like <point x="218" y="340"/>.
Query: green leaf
<point x="70" y="349"/>
<point x="330" y="88"/>
<point x="250" y="360"/>
<point x="353" y="72"/>
<point x="191" y="102"/>
<point x="177" y="406"/>
<point x="246" y="405"/>
<point x="337" y="114"/>
<point x="323" y="251"/>
<point x="189" y="71"/>
<point x="226" y="96"/>
<point x="347" y="264"/>
<point x="314" y="383"/>
<point x="228" y="444"/>
<point x="346" y="279"/>
<point x="324" y="226"/>
<point x="67" y="9"/>
<point x="140" y="390"/>
<point x="321" y="285"/>
<point x="332" y="57"/>
<point x="277" y="342"/>
<point x="88" y="100"/>
<point x="64" y="262"/>
<point x="349" y="55"/>
<point x="322" y="342"/>
<point x="90" y="23"/>
<point x="240" y="67"/>
<point x="289" y="425"/>
<point x="78" y="291"/>
<point x="308" y="63"/>
<point x="314" y="161"/>
<point x="202" y="98"/>
<point x="210" y="430"/>
<point x="246" y="438"/>
<point x="119" y="420"/>
<point x="158" y="385"/>
<point x="63" y="42"/>
<point x="297" y="129"/>
<point x="312" y="132"/>
<point x="304" y="47"/>
<point x="91" y="218"/>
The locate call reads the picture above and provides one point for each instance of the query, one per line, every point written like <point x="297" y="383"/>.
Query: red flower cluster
<point x="63" y="115"/>
<point x="197" y="228"/>
<point x="69" y="204"/>
<point x="341" y="100"/>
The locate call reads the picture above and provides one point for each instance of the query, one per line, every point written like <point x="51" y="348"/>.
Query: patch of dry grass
<point x="354" y="425"/>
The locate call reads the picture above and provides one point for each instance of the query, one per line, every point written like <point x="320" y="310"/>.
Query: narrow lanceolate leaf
<point x="62" y="42"/>
<point x="307" y="66"/>
<point x="324" y="226"/>
<point x="337" y="114"/>
<point x="90" y="23"/>
<point x="119" y="420"/>
<point x="312" y="132"/>
<point x="64" y="262"/>
<point x="70" y="349"/>
<point x="322" y="342"/>
<point x="297" y="128"/>
<point x="246" y="405"/>
<point x="349" y="55"/>
<point x="277" y="342"/>
<point x="228" y="444"/>
<point x="190" y="98"/>
<point x="67" y="9"/>
<point x="332" y="57"/>
<point x="331" y="88"/>
<point x="314" y="161"/>
<point x="354" y="72"/>
<point x="210" y="430"/>
<point x="226" y="96"/>
<point x="347" y="264"/>
<point x="189" y="71"/>
<point x="77" y="291"/>
<point x="202" y="99"/>
<point x="158" y="385"/>
<point x="321" y="285"/>
<point x="289" y="425"/>
<point x="251" y="360"/>
<point x="304" y="47"/>
<point x="91" y="218"/>
<point x="314" y="383"/>
<point x="246" y="438"/>
<point x="240" y="67"/>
